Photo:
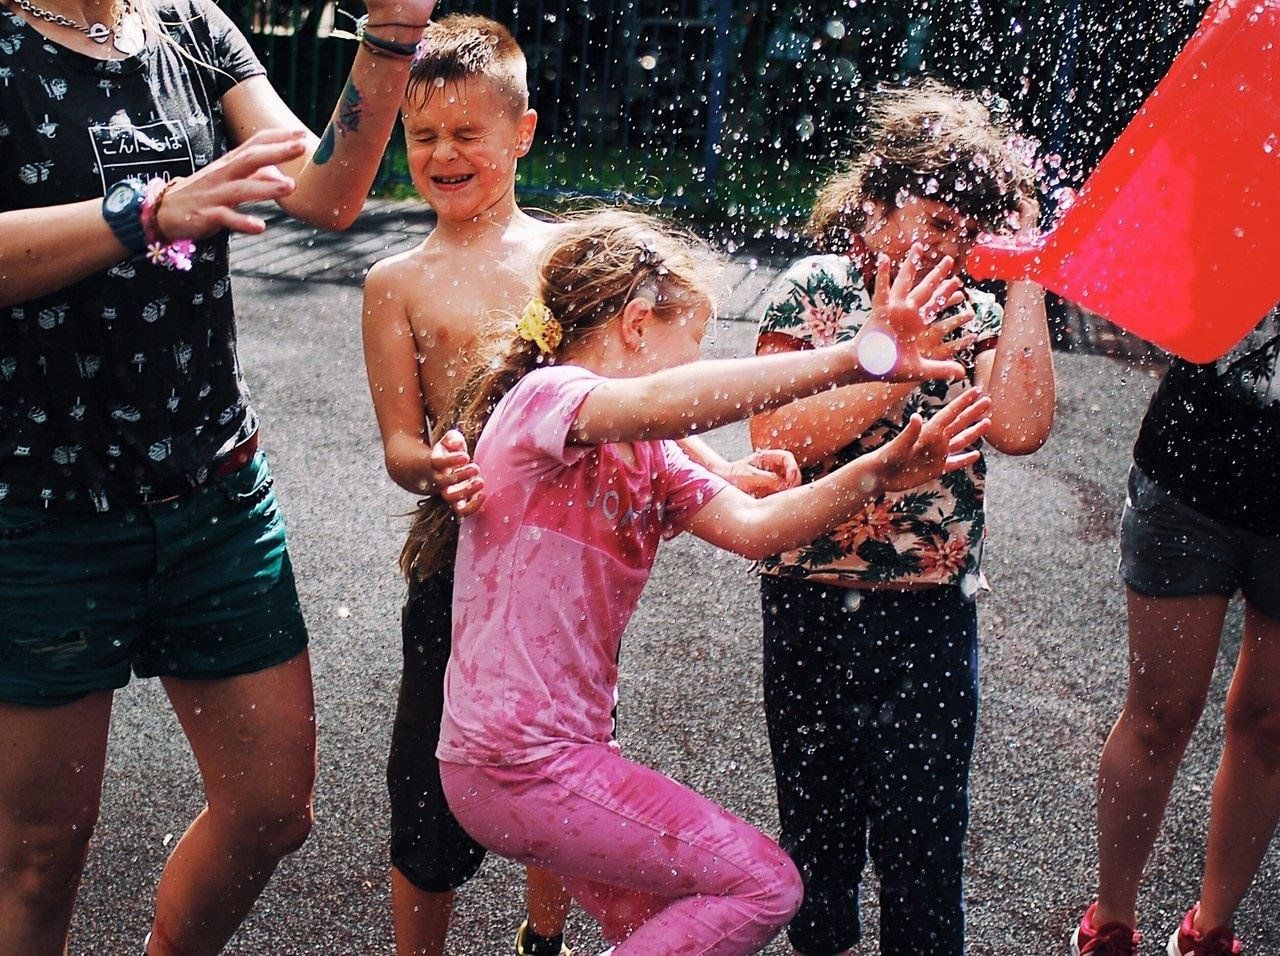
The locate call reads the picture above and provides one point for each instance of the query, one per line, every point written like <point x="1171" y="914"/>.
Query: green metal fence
<point x="739" y="108"/>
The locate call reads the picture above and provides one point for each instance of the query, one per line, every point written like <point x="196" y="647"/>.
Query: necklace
<point x="97" y="32"/>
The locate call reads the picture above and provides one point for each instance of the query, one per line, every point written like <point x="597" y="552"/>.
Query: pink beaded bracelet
<point x="172" y="255"/>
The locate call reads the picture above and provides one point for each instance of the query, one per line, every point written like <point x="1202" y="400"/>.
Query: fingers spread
<point x="905" y="440"/>
<point x="964" y="439"/>
<point x="246" y="159"/>
<point x="236" y="221"/>
<point x="905" y="280"/>
<point x="956" y="462"/>
<point x="930" y="287"/>
<point x="935" y="368"/>
<point x="959" y="406"/>
<point x="884" y="281"/>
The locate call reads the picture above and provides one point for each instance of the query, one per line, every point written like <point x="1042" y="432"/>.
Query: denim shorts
<point x="1168" y="549"/>
<point x="199" y="587"/>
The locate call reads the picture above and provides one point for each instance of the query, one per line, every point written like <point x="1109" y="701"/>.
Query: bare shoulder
<point x="407" y="278"/>
<point x="403" y="268"/>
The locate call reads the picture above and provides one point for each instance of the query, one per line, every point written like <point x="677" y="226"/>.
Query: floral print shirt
<point x="931" y="534"/>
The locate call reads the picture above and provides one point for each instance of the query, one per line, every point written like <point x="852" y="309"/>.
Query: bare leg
<point x="548" y="902"/>
<point x="1246" y="793"/>
<point x="1173" y="644"/>
<point x="254" y="739"/>
<point x="420" y="919"/>
<point x="51" y="763"/>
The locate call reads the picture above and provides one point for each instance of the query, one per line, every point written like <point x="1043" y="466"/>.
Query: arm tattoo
<point x="347" y="121"/>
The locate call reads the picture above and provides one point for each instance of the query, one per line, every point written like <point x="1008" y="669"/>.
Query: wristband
<point x="381" y="45"/>
<point x="162" y="252"/>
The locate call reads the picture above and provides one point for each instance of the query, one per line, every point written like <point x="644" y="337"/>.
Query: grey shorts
<point x="1168" y="549"/>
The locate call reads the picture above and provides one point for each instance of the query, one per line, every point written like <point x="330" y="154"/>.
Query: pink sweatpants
<point x="662" y="869"/>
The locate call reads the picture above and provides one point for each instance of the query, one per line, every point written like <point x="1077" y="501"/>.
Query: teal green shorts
<point x="200" y="587"/>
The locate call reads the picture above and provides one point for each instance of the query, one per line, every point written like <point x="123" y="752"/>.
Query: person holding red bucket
<point x="1175" y="237"/>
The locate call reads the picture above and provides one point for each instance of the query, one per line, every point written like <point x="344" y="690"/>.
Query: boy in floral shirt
<point x="870" y="656"/>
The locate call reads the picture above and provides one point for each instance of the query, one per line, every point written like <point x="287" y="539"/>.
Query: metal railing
<point x="742" y="106"/>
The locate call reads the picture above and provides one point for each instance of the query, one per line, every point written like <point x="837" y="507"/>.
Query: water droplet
<point x="877" y="352"/>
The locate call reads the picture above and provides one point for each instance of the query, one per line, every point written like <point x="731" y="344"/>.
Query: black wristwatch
<point x="122" y="209"/>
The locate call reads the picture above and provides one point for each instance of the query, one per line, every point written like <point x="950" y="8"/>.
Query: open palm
<point x="894" y="344"/>
<point x="923" y="451"/>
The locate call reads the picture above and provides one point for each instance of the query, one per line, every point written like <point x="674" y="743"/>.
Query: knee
<point x="41" y="869"/>
<point x="780" y="889"/>
<point x="272" y="828"/>
<point x="286" y="832"/>
<point x="1257" y="728"/>
<point x="1164" y="726"/>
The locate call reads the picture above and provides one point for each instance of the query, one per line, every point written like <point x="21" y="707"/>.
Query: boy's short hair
<point x="461" y="46"/>
<point x="934" y="142"/>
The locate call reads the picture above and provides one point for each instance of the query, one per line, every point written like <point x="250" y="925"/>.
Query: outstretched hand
<point x="207" y="201"/>
<point x="923" y="451"/>
<point x="455" y="476"/>
<point x="893" y="344"/>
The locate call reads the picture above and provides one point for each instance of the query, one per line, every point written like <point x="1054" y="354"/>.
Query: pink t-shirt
<point x="550" y="571"/>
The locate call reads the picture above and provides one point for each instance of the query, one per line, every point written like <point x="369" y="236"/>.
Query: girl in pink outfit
<point x="579" y="415"/>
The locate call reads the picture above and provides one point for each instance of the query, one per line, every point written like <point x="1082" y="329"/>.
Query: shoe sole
<point x="1075" y="942"/>
<point x="1173" y="949"/>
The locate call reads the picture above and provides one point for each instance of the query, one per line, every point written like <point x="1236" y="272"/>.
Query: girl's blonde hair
<point x="932" y="141"/>
<point x="590" y="271"/>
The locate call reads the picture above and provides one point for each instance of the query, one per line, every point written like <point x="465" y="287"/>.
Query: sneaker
<point x="1113" y="939"/>
<point x="520" y="942"/>
<point x="1188" y="941"/>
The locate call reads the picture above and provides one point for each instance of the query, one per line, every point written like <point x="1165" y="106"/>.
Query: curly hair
<point x="931" y="141"/>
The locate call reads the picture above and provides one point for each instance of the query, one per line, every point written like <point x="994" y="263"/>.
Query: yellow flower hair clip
<point x="539" y="325"/>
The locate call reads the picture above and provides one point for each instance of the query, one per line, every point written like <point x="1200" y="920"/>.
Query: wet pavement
<point x="1051" y="630"/>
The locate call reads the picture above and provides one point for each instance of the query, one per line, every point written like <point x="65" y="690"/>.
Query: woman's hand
<point x="923" y="451"/>
<point x="455" y="476"/>
<point x="892" y="344"/>
<point x="206" y="202"/>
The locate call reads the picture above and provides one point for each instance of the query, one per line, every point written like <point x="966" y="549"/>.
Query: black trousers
<point x="871" y="699"/>
<point x="427" y="844"/>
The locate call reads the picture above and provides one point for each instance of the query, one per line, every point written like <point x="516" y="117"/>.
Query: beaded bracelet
<point x="172" y="255"/>
<point x="381" y="46"/>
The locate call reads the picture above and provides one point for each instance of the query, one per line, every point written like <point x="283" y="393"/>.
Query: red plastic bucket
<point x="1176" y="235"/>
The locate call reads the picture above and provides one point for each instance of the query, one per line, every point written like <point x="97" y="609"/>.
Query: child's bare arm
<point x="1018" y="374"/>
<point x="391" y="359"/>
<point x="815" y="428"/>
<point x="760" y="473"/>
<point x="704" y="395"/>
<point x="758" y="527"/>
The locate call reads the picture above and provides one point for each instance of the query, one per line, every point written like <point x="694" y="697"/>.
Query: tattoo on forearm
<point x="347" y="121"/>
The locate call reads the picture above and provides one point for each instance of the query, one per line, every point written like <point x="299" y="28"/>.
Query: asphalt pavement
<point x="1053" y="677"/>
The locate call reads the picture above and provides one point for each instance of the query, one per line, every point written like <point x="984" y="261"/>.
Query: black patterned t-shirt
<point x="1212" y="432"/>
<point x="126" y="381"/>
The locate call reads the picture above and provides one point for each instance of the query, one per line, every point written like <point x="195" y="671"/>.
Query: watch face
<point x="121" y="195"/>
